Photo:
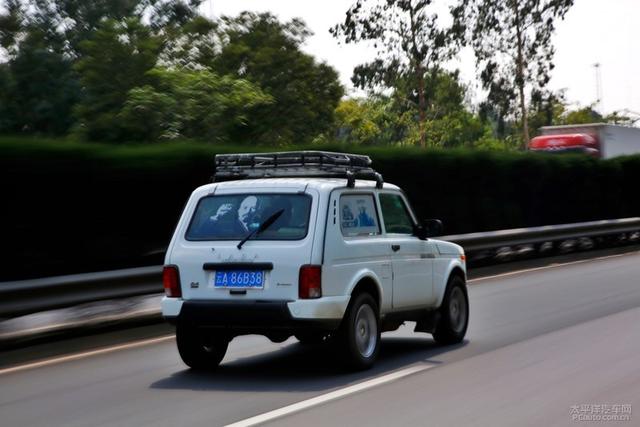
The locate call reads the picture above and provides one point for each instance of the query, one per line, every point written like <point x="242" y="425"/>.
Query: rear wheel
<point x="199" y="350"/>
<point x="454" y="313"/>
<point x="360" y="332"/>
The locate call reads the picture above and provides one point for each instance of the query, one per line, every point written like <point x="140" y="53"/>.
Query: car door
<point x="411" y="257"/>
<point x="354" y="243"/>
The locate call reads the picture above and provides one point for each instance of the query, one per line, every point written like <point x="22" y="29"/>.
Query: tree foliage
<point x="86" y="58"/>
<point x="261" y="49"/>
<point x="42" y="91"/>
<point x="265" y="51"/>
<point x="512" y="43"/>
<point x="547" y="108"/>
<point x="409" y="43"/>
<point x="191" y="46"/>
<point x="552" y="108"/>
<point x="369" y="121"/>
<point x="122" y="70"/>
<point x="191" y="104"/>
<point x="38" y="86"/>
<point x="114" y="60"/>
<point x="391" y="120"/>
<point x="66" y="55"/>
<point x="67" y="23"/>
<point x="11" y="25"/>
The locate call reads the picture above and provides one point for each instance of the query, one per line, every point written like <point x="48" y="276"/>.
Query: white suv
<point x="293" y="244"/>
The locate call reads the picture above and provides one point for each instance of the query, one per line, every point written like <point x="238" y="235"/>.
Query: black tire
<point x="198" y="350"/>
<point x="360" y="332"/>
<point x="454" y="313"/>
<point x="311" y="338"/>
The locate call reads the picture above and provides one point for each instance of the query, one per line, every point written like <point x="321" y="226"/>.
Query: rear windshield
<point x="232" y="217"/>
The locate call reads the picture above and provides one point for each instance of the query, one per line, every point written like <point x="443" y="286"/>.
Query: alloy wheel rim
<point x="457" y="309"/>
<point x="366" y="331"/>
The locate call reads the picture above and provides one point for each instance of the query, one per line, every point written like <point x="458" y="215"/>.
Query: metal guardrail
<point x="551" y="233"/>
<point x="29" y="296"/>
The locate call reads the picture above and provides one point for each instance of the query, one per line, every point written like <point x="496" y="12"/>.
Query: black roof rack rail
<point x="296" y="164"/>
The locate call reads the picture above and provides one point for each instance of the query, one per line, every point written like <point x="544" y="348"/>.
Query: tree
<point x="190" y="104"/>
<point x="37" y="84"/>
<point x="265" y="51"/>
<point x="622" y="117"/>
<point x="44" y="43"/>
<point x="512" y="44"/>
<point x="42" y="91"/>
<point x="193" y="45"/>
<point x="68" y="23"/>
<point x="448" y="123"/>
<point x="547" y="108"/>
<point x="6" y="114"/>
<point x="409" y="41"/>
<point x="551" y="108"/>
<point x="588" y="115"/>
<point x="391" y="119"/>
<point x="114" y="60"/>
<point x="11" y="25"/>
<point x="369" y="121"/>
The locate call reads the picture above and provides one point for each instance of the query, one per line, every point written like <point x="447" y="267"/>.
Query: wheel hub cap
<point x="366" y="331"/>
<point x="457" y="309"/>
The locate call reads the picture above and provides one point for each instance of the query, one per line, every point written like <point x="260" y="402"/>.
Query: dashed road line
<point x="327" y="397"/>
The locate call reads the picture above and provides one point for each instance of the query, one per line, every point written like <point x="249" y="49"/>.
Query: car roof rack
<point x="296" y="164"/>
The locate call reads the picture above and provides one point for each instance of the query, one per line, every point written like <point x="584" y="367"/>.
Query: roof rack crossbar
<point x="298" y="164"/>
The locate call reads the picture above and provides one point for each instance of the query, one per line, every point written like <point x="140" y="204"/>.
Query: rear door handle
<point x="395" y="248"/>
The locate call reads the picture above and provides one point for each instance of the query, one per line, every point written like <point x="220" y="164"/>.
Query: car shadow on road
<point x="299" y="367"/>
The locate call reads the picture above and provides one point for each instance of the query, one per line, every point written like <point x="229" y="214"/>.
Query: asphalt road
<point x="543" y="345"/>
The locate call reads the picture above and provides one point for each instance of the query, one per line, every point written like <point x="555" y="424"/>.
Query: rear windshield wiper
<point x="266" y="224"/>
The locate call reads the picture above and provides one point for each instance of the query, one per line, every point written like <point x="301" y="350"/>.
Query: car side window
<point x="395" y="214"/>
<point x="358" y="216"/>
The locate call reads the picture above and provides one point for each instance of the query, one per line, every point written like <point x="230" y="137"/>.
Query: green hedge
<point x="73" y="207"/>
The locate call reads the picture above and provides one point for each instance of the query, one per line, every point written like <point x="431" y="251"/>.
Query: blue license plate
<point x="239" y="279"/>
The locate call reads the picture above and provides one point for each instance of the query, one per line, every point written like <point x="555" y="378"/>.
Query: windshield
<point x="231" y="217"/>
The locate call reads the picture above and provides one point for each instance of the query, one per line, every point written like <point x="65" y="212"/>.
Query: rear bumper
<point x="257" y="316"/>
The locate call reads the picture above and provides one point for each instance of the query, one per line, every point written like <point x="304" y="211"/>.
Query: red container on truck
<point x="598" y="140"/>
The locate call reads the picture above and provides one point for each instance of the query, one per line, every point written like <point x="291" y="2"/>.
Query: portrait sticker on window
<point x="358" y="215"/>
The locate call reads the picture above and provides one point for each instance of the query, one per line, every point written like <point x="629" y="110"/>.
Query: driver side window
<point x="395" y="214"/>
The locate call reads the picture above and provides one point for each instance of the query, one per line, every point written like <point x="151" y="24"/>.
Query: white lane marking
<point x="323" y="398"/>
<point x="546" y="267"/>
<point x="85" y="354"/>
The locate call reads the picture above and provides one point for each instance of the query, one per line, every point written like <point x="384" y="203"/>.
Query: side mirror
<point x="430" y="228"/>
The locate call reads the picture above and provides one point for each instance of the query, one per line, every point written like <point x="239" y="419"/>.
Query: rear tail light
<point x="310" y="282"/>
<point x="171" y="281"/>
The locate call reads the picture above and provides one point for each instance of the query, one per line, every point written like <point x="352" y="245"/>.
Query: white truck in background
<point x="599" y="140"/>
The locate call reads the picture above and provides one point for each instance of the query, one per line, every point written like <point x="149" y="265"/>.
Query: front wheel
<point x="454" y="313"/>
<point x="360" y="332"/>
<point x="199" y="350"/>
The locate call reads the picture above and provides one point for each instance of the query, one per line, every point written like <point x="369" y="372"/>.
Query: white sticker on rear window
<point x="358" y="215"/>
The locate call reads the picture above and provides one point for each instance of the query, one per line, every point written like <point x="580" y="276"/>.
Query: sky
<point x="594" y="31"/>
